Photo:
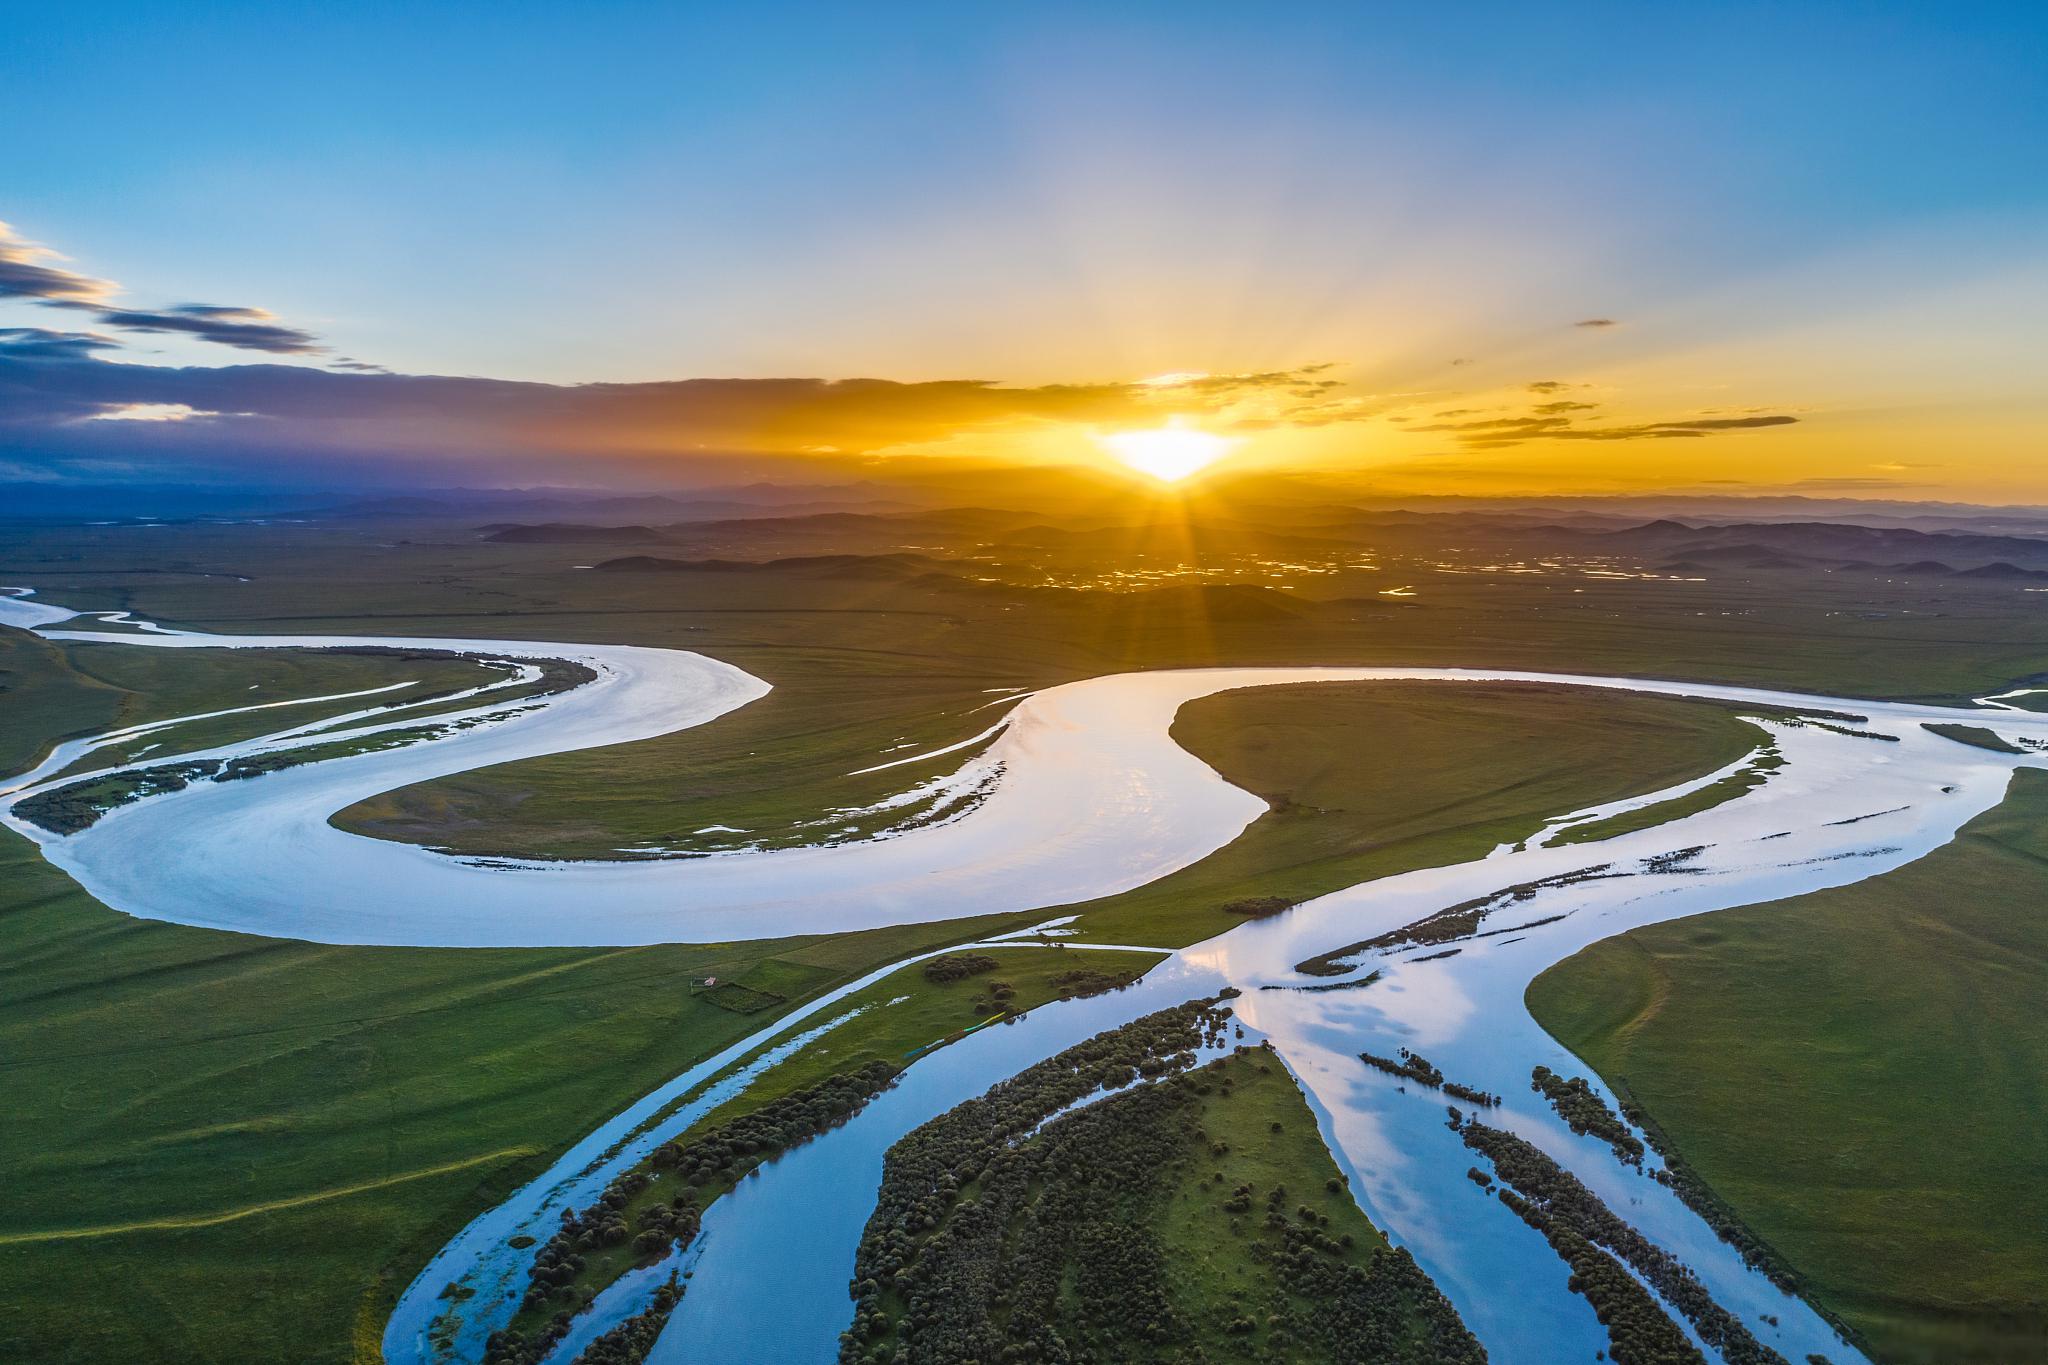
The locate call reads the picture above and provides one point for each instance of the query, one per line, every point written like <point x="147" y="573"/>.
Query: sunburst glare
<point x="1169" y="453"/>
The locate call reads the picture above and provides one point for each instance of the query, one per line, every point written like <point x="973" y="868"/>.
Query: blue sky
<point x="1048" y="194"/>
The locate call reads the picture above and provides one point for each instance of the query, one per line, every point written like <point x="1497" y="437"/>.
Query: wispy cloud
<point x="250" y="329"/>
<point x="40" y="343"/>
<point x="1563" y="420"/>
<point x="27" y="273"/>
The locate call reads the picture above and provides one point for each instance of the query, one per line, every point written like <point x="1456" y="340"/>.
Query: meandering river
<point x="1085" y="794"/>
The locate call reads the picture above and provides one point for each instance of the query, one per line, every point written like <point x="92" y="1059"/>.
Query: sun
<point x="1169" y="453"/>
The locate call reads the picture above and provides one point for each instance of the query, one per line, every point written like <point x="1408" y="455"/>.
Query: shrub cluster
<point x="1586" y="1113"/>
<point x="714" y="1160"/>
<point x="631" y="1340"/>
<point x="1001" y="1237"/>
<point x="77" y="805"/>
<point x="1455" y="922"/>
<point x="729" y="1151"/>
<point x="1556" y="1196"/>
<point x="1413" y="1066"/>
<point x="1694" y="1193"/>
<point x="957" y="967"/>
<point x="1086" y="981"/>
<point x="1639" y="1331"/>
<point x="1258" y="907"/>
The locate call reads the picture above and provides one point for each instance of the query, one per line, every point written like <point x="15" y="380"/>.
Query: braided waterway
<point x="1086" y="795"/>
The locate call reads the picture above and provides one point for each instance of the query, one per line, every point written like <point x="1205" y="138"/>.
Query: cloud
<point x="1304" y="382"/>
<point x="267" y="420"/>
<point x="1730" y="423"/>
<point x="152" y="412"/>
<point x="350" y="422"/>
<point x="1263" y="399"/>
<point x="250" y="329"/>
<point x="1851" y="485"/>
<point x="25" y="273"/>
<point x="1553" y="422"/>
<point x="1499" y="424"/>
<point x="40" y="343"/>
<point x="1596" y="322"/>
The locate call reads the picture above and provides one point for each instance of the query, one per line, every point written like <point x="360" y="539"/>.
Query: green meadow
<point x="191" y="1109"/>
<point x="223" y="1148"/>
<point x="228" y="1148"/>
<point x="56" y="690"/>
<point x="1369" y="780"/>
<point x="866" y="669"/>
<point x="1860" y="1074"/>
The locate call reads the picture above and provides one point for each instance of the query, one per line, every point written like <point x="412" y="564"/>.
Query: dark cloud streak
<point x="250" y="329"/>
<point x="40" y="343"/>
<point x="25" y="274"/>
<point x="1552" y="422"/>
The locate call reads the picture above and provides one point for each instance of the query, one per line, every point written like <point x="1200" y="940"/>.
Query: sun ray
<point x="1170" y="453"/>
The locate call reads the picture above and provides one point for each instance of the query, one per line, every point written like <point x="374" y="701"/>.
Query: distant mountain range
<point x="1665" y="544"/>
<point x="1079" y="517"/>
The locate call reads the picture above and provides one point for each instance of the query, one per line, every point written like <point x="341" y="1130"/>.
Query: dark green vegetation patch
<point x="658" y="1207"/>
<point x="1584" y="1112"/>
<point x="1197" y="1217"/>
<point x="1976" y="736"/>
<point x="957" y="966"/>
<point x="731" y="995"/>
<point x="1596" y="1244"/>
<point x="1752" y="775"/>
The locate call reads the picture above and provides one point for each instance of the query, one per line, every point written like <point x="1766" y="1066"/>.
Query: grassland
<point x="862" y="666"/>
<point x="54" y="690"/>
<point x="190" y="1109"/>
<point x="226" y="1148"/>
<point x="1747" y="778"/>
<point x="46" y="700"/>
<point x="1370" y="780"/>
<point x="1860" y="1074"/>
<point x="1976" y="736"/>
